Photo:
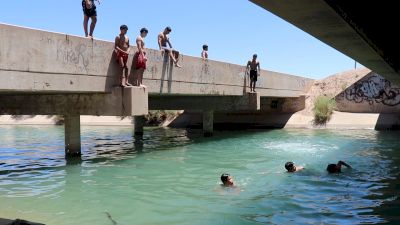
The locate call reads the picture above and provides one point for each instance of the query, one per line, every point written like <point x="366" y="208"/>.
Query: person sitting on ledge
<point x="337" y="168"/>
<point x="291" y="168"/>
<point x="163" y="41"/>
<point x="227" y="180"/>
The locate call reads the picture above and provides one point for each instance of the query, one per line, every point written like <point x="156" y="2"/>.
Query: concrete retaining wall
<point x="40" y="61"/>
<point x="371" y="94"/>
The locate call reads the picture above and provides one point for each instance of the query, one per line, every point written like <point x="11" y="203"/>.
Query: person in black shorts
<point x="89" y="11"/>
<point x="254" y="67"/>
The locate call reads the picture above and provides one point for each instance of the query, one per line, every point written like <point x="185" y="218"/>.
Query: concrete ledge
<point x="54" y="120"/>
<point x="130" y="101"/>
<point x="250" y="101"/>
<point x="135" y="101"/>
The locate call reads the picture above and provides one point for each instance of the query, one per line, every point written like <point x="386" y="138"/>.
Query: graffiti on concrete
<point x="75" y="56"/>
<point x="374" y="90"/>
<point x="301" y="83"/>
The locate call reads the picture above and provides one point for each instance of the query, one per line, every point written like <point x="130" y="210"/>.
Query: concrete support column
<point x="72" y="124"/>
<point x="208" y="123"/>
<point x="139" y="124"/>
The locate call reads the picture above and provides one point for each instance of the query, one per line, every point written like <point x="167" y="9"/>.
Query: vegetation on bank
<point x="323" y="109"/>
<point x="158" y="117"/>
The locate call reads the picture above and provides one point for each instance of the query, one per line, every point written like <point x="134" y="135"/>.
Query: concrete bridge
<point x="45" y="73"/>
<point x="362" y="30"/>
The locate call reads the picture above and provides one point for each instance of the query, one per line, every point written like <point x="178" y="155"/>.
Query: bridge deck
<point x="35" y="61"/>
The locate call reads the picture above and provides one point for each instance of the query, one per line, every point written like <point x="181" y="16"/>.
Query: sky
<point x="233" y="29"/>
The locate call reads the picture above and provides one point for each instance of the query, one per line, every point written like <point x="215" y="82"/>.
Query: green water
<point x="172" y="177"/>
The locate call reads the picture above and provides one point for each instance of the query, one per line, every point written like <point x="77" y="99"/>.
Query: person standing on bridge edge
<point x="204" y="53"/>
<point x="140" y="58"/>
<point x="89" y="11"/>
<point x="163" y="40"/>
<point x="254" y="67"/>
<point x="122" y="49"/>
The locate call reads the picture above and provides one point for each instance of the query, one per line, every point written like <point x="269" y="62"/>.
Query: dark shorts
<point x="253" y="75"/>
<point x="89" y="12"/>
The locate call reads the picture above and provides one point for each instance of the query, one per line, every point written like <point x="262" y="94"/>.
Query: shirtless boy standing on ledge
<point x="122" y="49"/>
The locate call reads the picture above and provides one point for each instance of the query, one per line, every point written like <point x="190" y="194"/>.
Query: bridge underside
<point x="249" y="101"/>
<point x="363" y="30"/>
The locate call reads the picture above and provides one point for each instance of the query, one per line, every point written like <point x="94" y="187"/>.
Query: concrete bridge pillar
<point x="72" y="124"/>
<point x="139" y="124"/>
<point x="208" y="123"/>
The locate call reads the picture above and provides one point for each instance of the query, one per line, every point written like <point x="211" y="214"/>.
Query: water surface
<point x="171" y="176"/>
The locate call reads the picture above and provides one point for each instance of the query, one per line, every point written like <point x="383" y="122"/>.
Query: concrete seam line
<point x="54" y="73"/>
<point x="231" y="85"/>
<point x="105" y="76"/>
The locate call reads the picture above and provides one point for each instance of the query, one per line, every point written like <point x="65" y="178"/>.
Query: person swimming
<point x="291" y="168"/>
<point x="337" y="168"/>
<point x="227" y="180"/>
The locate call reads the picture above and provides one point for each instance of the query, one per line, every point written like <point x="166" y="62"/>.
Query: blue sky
<point x="233" y="29"/>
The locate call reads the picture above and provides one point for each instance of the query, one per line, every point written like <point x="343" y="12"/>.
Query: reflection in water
<point x="169" y="176"/>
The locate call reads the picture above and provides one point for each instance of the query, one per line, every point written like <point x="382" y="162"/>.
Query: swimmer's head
<point x="290" y="167"/>
<point x="205" y="47"/>
<point x="333" y="168"/>
<point x="226" y="179"/>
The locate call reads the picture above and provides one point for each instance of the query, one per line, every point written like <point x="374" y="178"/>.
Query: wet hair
<point x="168" y="29"/>
<point x="289" y="166"/>
<point x="332" y="168"/>
<point x="123" y="27"/>
<point x="205" y="47"/>
<point x="144" y="29"/>
<point x="224" y="178"/>
<point x="255" y="55"/>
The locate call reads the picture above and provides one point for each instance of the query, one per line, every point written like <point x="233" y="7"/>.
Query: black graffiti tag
<point x="373" y="90"/>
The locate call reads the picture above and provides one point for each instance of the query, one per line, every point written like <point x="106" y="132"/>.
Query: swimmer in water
<point x="291" y="168"/>
<point x="227" y="180"/>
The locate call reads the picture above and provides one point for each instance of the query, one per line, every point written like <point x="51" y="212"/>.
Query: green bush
<point x="323" y="108"/>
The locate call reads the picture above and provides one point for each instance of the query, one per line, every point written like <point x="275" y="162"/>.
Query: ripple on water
<point x="172" y="177"/>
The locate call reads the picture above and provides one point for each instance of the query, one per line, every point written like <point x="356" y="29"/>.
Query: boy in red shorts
<point x="122" y="49"/>
<point x="140" y="57"/>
